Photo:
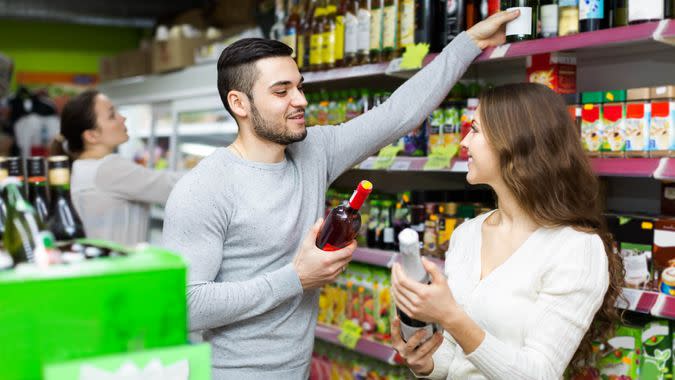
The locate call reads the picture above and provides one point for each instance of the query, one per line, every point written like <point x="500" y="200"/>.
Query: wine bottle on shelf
<point x="525" y="26"/>
<point x="343" y="222"/>
<point x="592" y="15"/>
<point x="63" y="222"/>
<point x="15" y="171"/>
<point x="618" y="13"/>
<point x="568" y="17"/>
<point x="645" y="10"/>
<point x="549" y="18"/>
<point x="37" y="187"/>
<point x="409" y="249"/>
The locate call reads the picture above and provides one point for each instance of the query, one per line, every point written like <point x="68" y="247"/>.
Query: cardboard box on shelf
<point x="108" y="68"/>
<point x="558" y="71"/>
<point x="134" y="62"/>
<point x="662" y="127"/>
<point x="663" y="256"/>
<point x="174" y="53"/>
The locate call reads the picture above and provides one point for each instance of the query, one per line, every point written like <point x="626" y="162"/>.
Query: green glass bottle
<point x="37" y="187"/>
<point x="525" y="26"/>
<point x="63" y="222"/>
<point x="22" y="238"/>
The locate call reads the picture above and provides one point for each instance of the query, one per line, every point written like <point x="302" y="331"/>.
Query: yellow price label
<point x="350" y="334"/>
<point x="387" y="156"/>
<point x="414" y="56"/>
<point x="441" y="156"/>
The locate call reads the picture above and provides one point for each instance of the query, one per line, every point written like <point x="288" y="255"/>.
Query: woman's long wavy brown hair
<point x="543" y="164"/>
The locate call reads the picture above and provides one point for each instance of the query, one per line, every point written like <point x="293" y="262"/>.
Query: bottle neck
<point x="357" y="199"/>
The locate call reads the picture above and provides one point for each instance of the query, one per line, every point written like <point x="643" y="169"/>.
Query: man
<point x="239" y="217"/>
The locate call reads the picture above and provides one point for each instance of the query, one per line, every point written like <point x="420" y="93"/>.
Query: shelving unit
<point x="367" y="347"/>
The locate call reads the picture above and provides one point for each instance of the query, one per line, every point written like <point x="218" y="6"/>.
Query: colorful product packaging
<point x="592" y="129"/>
<point x="620" y="355"/>
<point x="614" y="123"/>
<point x="638" y="117"/>
<point x="662" y="127"/>
<point x="663" y="256"/>
<point x="557" y="71"/>
<point x="657" y="361"/>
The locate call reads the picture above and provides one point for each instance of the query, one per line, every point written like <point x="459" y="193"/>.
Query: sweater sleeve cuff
<point x="285" y="282"/>
<point x="439" y="373"/>
<point x="490" y="357"/>
<point x="467" y="48"/>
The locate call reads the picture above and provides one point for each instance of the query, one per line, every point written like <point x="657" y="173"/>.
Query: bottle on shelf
<point x="525" y="26"/>
<point x="494" y="6"/>
<point x="277" y="32"/>
<point x="618" y="13"/>
<point x="25" y="238"/>
<point x="376" y="21"/>
<point x="343" y="222"/>
<point x="645" y="10"/>
<point x="340" y="32"/>
<point x="292" y="27"/>
<point x="568" y="17"/>
<point x="351" y="33"/>
<point x="363" y="32"/>
<point x="388" y="240"/>
<point x="63" y="222"/>
<point x="305" y="38"/>
<point x="373" y="223"/>
<point x="592" y="15"/>
<point x="669" y="9"/>
<point x="37" y="187"/>
<point x="15" y="171"/>
<point x="316" y="43"/>
<point x="472" y="13"/>
<point x="453" y="23"/>
<point x="329" y="36"/>
<point x="549" y="18"/>
<point x="390" y="25"/>
<point x="409" y="248"/>
<point x="406" y="25"/>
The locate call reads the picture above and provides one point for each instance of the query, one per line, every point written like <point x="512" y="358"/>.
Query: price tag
<point x="350" y="334"/>
<point x="441" y="156"/>
<point x="414" y="56"/>
<point x="386" y="157"/>
<point x="500" y="51"/>
<point x="401" y="165"/>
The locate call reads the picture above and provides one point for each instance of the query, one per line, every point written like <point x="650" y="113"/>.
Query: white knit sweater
<point x="534" y="308"/>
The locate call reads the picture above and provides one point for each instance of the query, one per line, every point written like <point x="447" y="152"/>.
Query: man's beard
<point x="275" y="133"/>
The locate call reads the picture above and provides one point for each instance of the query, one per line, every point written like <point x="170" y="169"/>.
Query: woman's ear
<point x="90" y="136"/>
<point x="239" y="103"/>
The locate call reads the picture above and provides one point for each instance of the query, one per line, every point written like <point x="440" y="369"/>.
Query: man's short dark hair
<point x="236" y="65"/>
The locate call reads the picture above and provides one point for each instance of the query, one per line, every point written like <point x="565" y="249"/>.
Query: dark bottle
<point x="401" y="219"/>
<point x="387" y="235"/>
<point x="24" y="237"/>
<point x="376" y="23"/>
<point x="37" y="187"/>
<point x="15" y="171"/>
<point x="292" y="27"/>
<point x="473" y="13"/>
<point x="452" y="14"/>
<point x="592" y="15"/>
<point x="645" y="10"/>
<point x="618" y="13"/>
<point x="525" y="26"/>
<point x="329" y="48"/>
<point x="669" y="9"/>
<point x="63" y="222"/>
<point x="343" y="222"/>
<point x="340" y="15"/>
<point x="373" y="222"/>
<point x="305" y="37"/>
<point x="409" y="248"/>
<point x="548" y="12"/>
<point x="3" y="204"/>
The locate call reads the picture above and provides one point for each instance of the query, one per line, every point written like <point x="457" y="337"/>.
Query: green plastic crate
<point x="96" y="307"/>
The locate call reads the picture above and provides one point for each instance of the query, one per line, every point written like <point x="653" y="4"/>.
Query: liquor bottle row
<point x="445" y="126"/>
<point x="35" y="215"/>
<point x="434" y="215"/>
<point x="637" y="122"/>
<point x="638" y="349"/>
<point x="331" y="362"/>
<point x="334" y="33"/>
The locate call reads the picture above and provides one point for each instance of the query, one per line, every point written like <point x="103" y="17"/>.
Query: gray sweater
<point x="240" y="223"/>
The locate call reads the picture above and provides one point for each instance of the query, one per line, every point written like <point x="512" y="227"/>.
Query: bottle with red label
<point x="343" y="222"/>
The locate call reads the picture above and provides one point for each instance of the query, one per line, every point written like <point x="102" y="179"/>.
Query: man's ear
<point x="90" y="136"/>
<point x="239" y="103"/>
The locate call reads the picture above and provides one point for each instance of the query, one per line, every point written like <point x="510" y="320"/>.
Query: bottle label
<point x="407" y="32"/>
<point x="301" y="52"/>
<point x="645" y="10"/>
<point x="523" y="24"/>
<point x="339" y="38"/>
<point x="315" y="48"/>
<point x="59" y="177"/>
<point x="364" y="30"/>
<point x="568" y="3"/>
<point x="328" y="47"/>
<point x="388" y="235"/>
<point x="591" y="9"/>
<point x="290" y="39"/>
<point x="376" y="29"/>
<point x="351" y="33"/>
<point x="389" y="32"/>
<point x="568" y="21"/>
<point x="549" y="20"/>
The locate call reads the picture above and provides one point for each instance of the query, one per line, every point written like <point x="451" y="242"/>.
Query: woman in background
<point x="525" y="281"/>
<point x="112" y="194"/>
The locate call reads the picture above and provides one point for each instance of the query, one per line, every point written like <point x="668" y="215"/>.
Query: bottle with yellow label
<point x="292" y="27"/>
<point x="316" y="43"/>
<point x="329" y="36"/>
<point x="340" y="33"/>
<point x="406" y="25"/>
<point x="376" y="21"/>
<point x="390" y="30"/>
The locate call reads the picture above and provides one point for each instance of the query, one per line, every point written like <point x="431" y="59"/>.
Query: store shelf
<point x="367" y="347"/>
<point x="647" y="302"/>
<point x="413" y="164"/>
<point x="382" y="258"/>
<point x="625" y="167"/>
<point x="659" y="31"/>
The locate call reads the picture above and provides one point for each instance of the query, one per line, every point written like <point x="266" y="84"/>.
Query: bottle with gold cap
<point x="64" y="222"/>
<point x="343" y="222"/>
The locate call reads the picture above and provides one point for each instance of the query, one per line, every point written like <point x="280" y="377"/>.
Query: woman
<point x="524" y="281"/>
<point x="111" y="194"/>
